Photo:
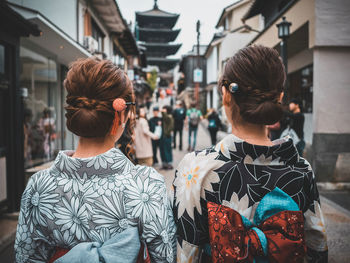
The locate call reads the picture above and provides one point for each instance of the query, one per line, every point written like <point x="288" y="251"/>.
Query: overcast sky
<point x="207" y="11"/>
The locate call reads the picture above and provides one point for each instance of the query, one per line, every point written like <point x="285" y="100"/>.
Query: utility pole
<point x="198" y="26"/>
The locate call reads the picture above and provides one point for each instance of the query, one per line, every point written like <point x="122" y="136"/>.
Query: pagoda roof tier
<point x="156" y="18"/>
<point x="157" y="35"/>
<point x="161" y="49"/>
<point x="164" y="64"/>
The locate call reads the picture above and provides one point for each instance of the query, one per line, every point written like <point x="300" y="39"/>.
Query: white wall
<point x="331" y="90"/>
<point x="62" y="13"/>
<point x="212" y="70"/>
<point x="107" y="43"/>
<point x="332" y="23"/>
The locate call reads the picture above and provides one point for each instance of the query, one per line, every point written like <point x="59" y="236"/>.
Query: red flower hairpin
<point x="119" y="105"/>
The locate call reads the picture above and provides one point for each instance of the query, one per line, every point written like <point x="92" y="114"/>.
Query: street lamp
<point x="283" y="33"/>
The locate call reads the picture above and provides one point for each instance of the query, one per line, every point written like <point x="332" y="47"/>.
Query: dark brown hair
<point x="259" y="73"/>
<point x="92" y="85"/>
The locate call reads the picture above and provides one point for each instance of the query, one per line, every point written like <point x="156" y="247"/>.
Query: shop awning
<point x="52" y="38"/>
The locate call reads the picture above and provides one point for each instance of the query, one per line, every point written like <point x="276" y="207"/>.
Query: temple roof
<point x="157" y="35"/>
<point x="161" y="49"/>
<point x="164" y="64"/>
<point x="156" y="18"/>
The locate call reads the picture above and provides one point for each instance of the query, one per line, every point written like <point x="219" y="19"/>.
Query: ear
<point x="281" y="97"/>
<point x="226" y="96"/>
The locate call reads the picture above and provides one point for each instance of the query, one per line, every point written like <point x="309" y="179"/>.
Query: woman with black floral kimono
<point x="94" y="204"/>
<point x="249" y="199"/>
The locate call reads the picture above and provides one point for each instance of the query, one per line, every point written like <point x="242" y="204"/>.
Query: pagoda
<point x="154" y="30"/>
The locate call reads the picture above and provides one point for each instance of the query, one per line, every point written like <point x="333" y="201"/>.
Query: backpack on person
<point x="194" y="118"/>
<point x="212" y="124"/>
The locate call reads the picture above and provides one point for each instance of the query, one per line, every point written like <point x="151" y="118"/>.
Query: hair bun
<point x="92" y="85"/>
<point x="265" y="113"/>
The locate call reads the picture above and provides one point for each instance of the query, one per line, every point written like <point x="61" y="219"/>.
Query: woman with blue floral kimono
<point x="95" y="198"/>
<point x="249" y="199"/>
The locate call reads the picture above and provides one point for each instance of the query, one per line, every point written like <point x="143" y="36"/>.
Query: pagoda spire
<point x="155" y="4"/>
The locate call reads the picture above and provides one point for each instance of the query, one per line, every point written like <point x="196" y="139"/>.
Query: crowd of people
<point x="246" y="199"/>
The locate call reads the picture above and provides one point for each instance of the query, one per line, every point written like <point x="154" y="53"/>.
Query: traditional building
<point x="154" y="29"/>
<point x="318" y="54"/>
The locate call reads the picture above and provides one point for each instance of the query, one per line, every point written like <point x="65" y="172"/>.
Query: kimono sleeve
<point x="315" y="230"/>
<point x="189" y="214"/>
<point x="159" y="231"/>
<point x="31" y="245"/>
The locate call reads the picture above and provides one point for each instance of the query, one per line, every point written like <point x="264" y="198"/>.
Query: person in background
<point x="154" y="122"/>
<point x="143" y="136"/>
<point x="47" y="125"/>
<point x="274" y="131"/>
<point x="193" y="118"/>
<point x="296" y="122"/>
<point x="181" y="84"/>
<point x="165" y="142"/>
<point x="249" y="199"/>
<point x="214" y="124"/>
<point x="179" y="115"/>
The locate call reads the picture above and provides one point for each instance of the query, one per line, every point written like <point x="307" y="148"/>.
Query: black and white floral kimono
<point x="93" y="199"/>
<point x="237" y="175"/>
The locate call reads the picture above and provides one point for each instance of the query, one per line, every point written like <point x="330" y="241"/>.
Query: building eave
<point x="227" y="10"/>
<point x="23" y="26"/>
<point x="278" y="16"/>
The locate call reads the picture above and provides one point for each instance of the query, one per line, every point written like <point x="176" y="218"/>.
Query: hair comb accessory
<point x="118" y="105"/>
<point x="233" y="87"/>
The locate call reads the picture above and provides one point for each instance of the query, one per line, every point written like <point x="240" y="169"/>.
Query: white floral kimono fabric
<point x="92" y="199"/>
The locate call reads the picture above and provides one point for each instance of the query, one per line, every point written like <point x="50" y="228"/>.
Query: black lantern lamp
<point x="283" y="33"/>
<point x="283" y="28"/>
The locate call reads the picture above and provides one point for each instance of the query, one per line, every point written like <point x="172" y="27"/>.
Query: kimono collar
<point x="110" y="162"/>
<point x="283" y="152"/>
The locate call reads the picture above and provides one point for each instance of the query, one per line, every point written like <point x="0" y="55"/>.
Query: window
<point x="97" y="34"/>
<point x="226" y="24"/>
<point x="2" y="60"/>
<point x="301" y="87"/>
<point x="41" y="107"/>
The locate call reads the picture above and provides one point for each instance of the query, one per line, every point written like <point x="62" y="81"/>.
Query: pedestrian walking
<point x="193" y="118"/>
<point x="143" y="137"/>
<point x="165" y="142"/>
<point x="93" y="204"/>
<point x="155" y="123"/>
<point x="214" y="124"/>
<point x="179" y="115"/>
<point x="296" y="122"/>
<point x="249" y="199"/>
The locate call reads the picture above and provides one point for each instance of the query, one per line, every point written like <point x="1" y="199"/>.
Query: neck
<point x="252" y="133"/>
<point x="296" y="110"/>
<point x="90" y="147"/>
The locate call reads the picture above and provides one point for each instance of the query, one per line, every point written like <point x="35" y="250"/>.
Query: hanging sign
<point x="197" y="75"/>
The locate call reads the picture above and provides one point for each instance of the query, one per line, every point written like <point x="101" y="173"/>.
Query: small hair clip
<point x="233" y="87"/>
<point x="119" y="104"/>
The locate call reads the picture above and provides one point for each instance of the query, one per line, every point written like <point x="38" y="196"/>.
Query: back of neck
<point x="90" y="147"/>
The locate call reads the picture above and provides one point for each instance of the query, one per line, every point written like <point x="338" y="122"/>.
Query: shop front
<point x="12" y="27"/>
